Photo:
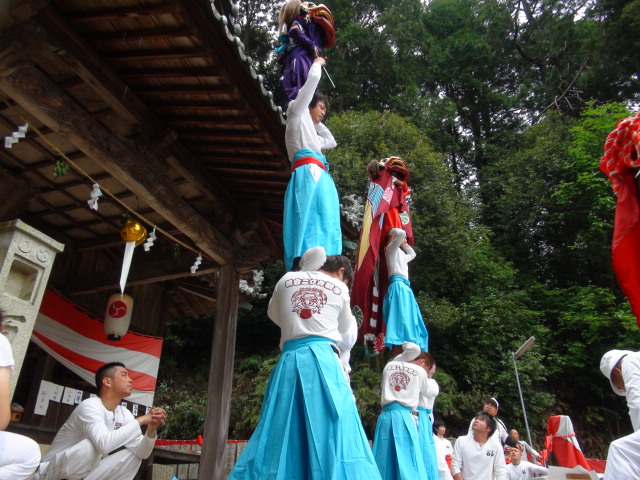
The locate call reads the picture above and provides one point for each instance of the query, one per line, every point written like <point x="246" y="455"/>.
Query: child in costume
<point x="399" y="308"/>
<point x="304" y="30"/>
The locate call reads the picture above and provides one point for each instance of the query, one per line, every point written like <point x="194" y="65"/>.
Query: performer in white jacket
<point x="309" y="426"/>
<point x="622" y="368"/>
<point x="311" y="204"/>
<point x="98" y="426"/>
<point x="425" y="419"/>
<point x="400" y="310"/>
<point x="396" y="446"/>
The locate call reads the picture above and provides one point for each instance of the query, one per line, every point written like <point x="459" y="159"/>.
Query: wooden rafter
<point x="71" y="48"/>
<point x="44" y="100"/>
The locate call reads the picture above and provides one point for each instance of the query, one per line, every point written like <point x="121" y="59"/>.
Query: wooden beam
<point x="142" y="274"/>
<point x="200" y="16"/>
<point x="200" y="291"/>
<point x="254" y="173"/>
<point x="158" y="54"/>
<point x="220" y="132"/>
<point x="213" y="161"/>
<point x="174" y="118"/>
<point x="170" y="8"/>
<point x="137" y="35"/>
<point x="191" y="171"/>
<point x="188" y="72"/>
<point x="141" y="172"/>
<point x="203" y="105"/>
<point x="258" y="151"/>
<point x="216" y="424"/>
<point x="188" y="90"/>
<point x="54" y="39"/>
<point x="63" y="44"/>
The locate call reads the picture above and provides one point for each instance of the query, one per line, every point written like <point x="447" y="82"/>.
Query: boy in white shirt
<point x="479" y="455"/>
<point x="396" y="446"/>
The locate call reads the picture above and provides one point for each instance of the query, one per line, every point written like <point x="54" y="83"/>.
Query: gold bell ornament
<point x="134" y="234"/>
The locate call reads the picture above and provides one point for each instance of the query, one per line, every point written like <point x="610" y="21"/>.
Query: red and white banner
<point x="77" y="340"/>
<point x="562" y="441"/>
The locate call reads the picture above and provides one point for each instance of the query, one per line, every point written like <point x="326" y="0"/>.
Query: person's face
<point x="442" y="430"/>
<point x="480" y="425"/>
<point x="121" y="382"/>
<point x="491" y="409"/>
<point x="616" y="376"/>
<point x="515" y="454"/>
<point x="515" y="435"/>
<point x="318" y="112"/>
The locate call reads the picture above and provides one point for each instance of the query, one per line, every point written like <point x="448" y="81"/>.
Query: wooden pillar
<point x="216" y="424"/>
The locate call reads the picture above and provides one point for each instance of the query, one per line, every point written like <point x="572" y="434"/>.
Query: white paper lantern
<point x="118" y="316"/>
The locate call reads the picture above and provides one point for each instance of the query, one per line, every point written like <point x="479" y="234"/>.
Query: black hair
<point x="335" y="263"/>
<point x="105" y="371"/>
<point x="319" y="97"/>
<point x="436" y="425"/>
<point x="511" y="442"/>
<point x="295" y="265"/>
<point x="491" y="422"/>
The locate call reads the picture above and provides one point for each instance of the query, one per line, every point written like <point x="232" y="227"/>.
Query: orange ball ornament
<point x="133" y="231"/>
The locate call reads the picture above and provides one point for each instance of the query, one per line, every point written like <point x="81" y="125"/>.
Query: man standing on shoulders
<point x="311" y="203"/>
<point x="98" y="426"/>
<point x="622" y="368"/>
<point x="478" y="455"/>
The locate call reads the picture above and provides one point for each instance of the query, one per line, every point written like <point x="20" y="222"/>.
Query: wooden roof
<point x="156" y="101"/>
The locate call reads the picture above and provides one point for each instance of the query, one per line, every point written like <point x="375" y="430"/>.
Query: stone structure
<point x="26" y="259"/>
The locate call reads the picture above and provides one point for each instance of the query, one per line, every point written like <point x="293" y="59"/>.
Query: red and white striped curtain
<point x="77" y="340"/>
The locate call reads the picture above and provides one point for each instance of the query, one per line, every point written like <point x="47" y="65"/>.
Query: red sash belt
<point x="307" y="161"/>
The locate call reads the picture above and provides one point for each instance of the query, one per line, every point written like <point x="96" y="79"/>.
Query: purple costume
<point x="305" y="41"/>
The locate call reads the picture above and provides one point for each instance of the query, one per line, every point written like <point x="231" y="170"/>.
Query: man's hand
<point x="320" y="60"/>
<point x="156" y="417"/>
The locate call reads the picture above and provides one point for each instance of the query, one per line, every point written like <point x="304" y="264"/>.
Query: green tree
<point x="549" y="206"/>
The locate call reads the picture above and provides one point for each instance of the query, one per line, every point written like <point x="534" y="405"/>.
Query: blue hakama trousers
<point x="425" y="433"/>
<point x="396" y="447"/>
<point x="402" y="315"/>
<point x="311" y="212"/>
<point x="309" y="426"/>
